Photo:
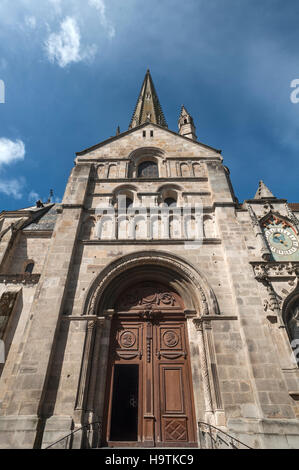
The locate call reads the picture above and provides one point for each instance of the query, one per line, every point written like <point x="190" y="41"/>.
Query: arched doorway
<point x="149" y="387"/>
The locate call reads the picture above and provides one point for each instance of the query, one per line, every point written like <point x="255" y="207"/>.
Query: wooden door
<point x="149" y="382"/>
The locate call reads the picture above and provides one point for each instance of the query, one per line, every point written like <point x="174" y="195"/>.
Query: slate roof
<point x="45" y="222"/>
<point x="294" y="206"/>
<point x="148" y="104"/>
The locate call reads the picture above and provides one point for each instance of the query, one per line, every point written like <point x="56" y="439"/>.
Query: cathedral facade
<point x="150" y="308"/>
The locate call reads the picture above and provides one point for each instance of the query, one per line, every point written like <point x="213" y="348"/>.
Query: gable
<point x="170" y="143"/>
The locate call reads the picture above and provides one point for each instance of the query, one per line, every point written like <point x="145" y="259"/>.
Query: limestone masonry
<point x="150" y="285"/>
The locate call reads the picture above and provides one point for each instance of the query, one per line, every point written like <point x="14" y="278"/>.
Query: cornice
<point x="24" y="278"/>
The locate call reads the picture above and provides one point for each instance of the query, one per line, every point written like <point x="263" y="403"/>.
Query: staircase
<point x="211" y="437"/>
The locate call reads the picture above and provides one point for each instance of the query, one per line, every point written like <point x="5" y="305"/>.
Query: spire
<point x="186" y="124"/>
<point x="148" y="108"/>
<point x="263" y="192"/>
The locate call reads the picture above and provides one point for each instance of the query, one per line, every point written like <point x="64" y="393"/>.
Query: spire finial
<point x="263" y="191"/>
<point x="51" y="195"/>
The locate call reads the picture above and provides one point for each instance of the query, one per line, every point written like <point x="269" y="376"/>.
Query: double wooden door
<point x="149" y="382"/>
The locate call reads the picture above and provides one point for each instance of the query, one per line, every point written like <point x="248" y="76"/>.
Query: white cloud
<point x="11" y="151"/>
<point x="69" y="31"/>
<point x="12" y="187"/>
<point x="101" y="7"/>
<point x="56" y="5"/>
<point x="64" y="47"/>
<point x="30" y="21"/>
<point x="33" y="196"/>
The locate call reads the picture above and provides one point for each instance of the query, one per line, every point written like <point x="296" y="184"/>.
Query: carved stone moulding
<point x="25" y="278"/>
<point x="198" y="284"/>
<point x="284" y="270"/>
<point x="148" y="297"/>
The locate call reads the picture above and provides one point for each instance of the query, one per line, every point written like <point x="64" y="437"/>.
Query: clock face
<point x="282" y="241"/>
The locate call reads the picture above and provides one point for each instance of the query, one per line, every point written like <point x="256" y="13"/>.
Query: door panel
<point x="174" y="430"/>
<point x="172" y="400"/>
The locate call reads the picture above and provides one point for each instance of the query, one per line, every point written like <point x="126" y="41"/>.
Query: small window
<point x="170" y="202"/>
<point x="185" y="121"/>
<point x="29" y="268"/>
<point x="144" y="133"/>
<point x="148" y="170"/>
<point x="129" y="203"/>
<point x="152" y="133"/>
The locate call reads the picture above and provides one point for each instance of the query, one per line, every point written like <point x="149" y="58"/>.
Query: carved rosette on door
<point x="149" y="334"/>
<point x="128" y="341"/>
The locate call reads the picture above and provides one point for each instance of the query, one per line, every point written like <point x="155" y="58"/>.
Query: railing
<point x="91" y="433"/>
<point x="211" y="437"/>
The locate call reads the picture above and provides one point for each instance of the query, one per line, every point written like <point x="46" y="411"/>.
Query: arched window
<point x="170" y="202"/>
<point x="148" y="170"/>
<point x="29" y="267"/>
<point x="129" y="203"/>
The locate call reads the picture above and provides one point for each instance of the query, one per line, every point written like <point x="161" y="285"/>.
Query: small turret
<point x="263" y="192"/>
<point x="186" y="124"/>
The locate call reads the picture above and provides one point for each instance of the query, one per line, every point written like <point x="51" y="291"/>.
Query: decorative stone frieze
<point x="25" y="278"/>
<point x="276" y="270"/>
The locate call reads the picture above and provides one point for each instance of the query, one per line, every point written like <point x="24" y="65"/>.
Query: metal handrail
<point x="200" y="424"/>
<point x="73" y="432"/>
<point x="209" y="426"/>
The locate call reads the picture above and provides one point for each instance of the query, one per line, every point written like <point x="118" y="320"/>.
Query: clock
<point x="282" y="241"/>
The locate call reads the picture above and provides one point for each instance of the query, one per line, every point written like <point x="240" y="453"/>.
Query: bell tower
<point x="186" y="124"/>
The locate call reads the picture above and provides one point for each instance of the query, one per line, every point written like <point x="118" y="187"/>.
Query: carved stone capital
<point x="198" y="324"/>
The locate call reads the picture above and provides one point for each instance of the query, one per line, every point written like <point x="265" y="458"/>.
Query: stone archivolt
<point x="207" y="302"/>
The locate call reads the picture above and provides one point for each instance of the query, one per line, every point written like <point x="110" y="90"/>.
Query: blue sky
<point x="73" y="70"/>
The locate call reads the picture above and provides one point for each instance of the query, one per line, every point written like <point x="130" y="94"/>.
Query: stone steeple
<point x="263" y="192"/>
<point x="148" y="108"/>
<point x="186" y="124"/>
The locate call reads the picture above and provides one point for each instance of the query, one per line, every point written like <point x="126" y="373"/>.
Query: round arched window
<point x="148" y="170"/>
<point x="129" y="203"/>
<point x="29" y="268"/>
<point x="170" y="202"/>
